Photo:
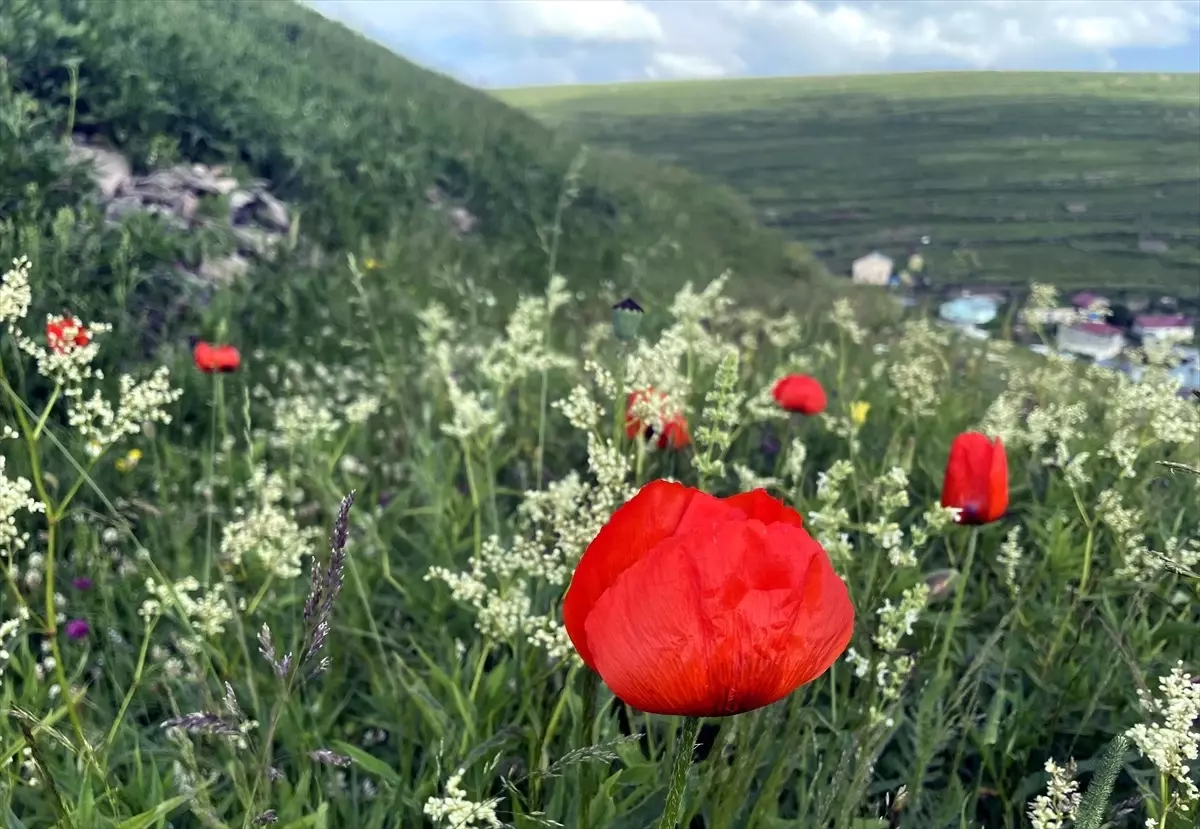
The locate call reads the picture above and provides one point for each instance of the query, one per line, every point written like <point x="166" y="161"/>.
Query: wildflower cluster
<point x="553" y="527"/>
<point x="916" y="368"/>
<point x="1060" y="803"/>
<point x="206" y="609"/>
<point x="268" y="530"/>
<point x="313" y="404"/>
<point x="453" y="809"/>
<point x="1171" y="741"/>
<point x="67" y="360"/>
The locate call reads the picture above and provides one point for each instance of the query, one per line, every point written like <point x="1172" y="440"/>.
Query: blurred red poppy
<point x="800" y="393"/>
<point x="674" y="432"/>
<point x="64" y="332"/>
<point x="976" y="479"/>
<point x="694" y="605"/>
<point x="218" y="358"/>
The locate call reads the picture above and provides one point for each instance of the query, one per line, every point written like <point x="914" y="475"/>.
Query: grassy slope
<point x="986" y="161"/>
<point x="356" y="134"/>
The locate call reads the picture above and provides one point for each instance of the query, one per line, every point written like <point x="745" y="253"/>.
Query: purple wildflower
<point x="770" y="445"/>
<point x="81" y="583"/>
<point x="78" y="629"/>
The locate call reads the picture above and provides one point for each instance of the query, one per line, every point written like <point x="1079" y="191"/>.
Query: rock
<point x="462" y="220"/>
<point x="119" y="208"/>
<point x="188" y="204"/>
<point x="256" y="242"/>
<point x="271" y="212"/>
<point x="239" y="200"/>
<point x="224" y="271"/>
<point x="111" y="171"/>
<point x="209" y="181"/>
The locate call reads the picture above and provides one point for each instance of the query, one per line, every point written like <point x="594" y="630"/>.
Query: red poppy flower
<point x="220" y="358"/>
<point x="800" y="393"/>
<point x="976" y="478"/>
<point x="64" y="332"/>
<point x="694" y="605"/>
<point x="674" y="434"/>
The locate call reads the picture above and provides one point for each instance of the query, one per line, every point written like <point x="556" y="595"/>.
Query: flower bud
<point x="626" y="319"/>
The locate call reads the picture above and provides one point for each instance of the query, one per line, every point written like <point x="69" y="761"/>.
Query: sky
<point x="506" y="43"/>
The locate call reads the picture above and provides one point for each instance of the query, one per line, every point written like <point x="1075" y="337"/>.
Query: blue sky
<point x="500" y="43"/>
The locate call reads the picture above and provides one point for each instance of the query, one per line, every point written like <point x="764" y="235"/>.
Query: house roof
<point x="1085" y="298"/>
<point x="873" y="256"/>
<point x="1162" y="321"/>
<point x="1100" y="329"/>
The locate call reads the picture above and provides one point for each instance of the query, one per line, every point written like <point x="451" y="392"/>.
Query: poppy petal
<point x="658" y="511"/>
<point x="998" y="482"/>
<point x="759" y="505"/>
<point x="723" y="622"/>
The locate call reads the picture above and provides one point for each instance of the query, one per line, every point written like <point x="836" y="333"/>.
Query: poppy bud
<point x="976" y="480"/>
<point x="800" y="393"/>
<point x="626" y="319"/>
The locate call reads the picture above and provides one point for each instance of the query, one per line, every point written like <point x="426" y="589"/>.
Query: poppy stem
<point x="684" y="747"/>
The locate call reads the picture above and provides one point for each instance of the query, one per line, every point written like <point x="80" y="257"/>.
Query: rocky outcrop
<point x="256" y="220"/>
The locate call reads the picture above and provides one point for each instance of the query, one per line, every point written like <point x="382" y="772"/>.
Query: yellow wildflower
<point x="130" y="460"/>
<point x="858" y="412"/>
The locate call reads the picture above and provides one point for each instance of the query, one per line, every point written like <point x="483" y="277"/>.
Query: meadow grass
<point x="981" y="162"/>
<point x="226" y="676"/>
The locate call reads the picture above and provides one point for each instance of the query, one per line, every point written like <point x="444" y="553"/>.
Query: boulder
<point x="111" y="171"/>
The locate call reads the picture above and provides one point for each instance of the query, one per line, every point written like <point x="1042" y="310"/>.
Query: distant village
<point x="1090" y="328"/>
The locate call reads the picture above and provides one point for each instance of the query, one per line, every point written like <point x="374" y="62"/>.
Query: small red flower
<point x="219" y="358"/>
<point x="976" y="478"/>
<point x="800" y="393"/>
<point x="66" y="332"/>
<point x="674" y="433"/>
<point x="694" y="605"/>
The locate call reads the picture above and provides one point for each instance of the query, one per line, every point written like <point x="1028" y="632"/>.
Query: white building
<point x="872" y="269"/>
<point x="1163" y="329"/>
<point x="1096" y="340"/>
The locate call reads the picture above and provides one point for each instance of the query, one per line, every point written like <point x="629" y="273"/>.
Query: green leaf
<point x="85" y="809"/>
<point x="369" y="763"/>
<point x="160" y="811"/>
<point x="11" y="820"/>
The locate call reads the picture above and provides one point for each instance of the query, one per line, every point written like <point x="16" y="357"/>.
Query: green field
<point x="987" y="162"/>
<point x="195" y="635"/>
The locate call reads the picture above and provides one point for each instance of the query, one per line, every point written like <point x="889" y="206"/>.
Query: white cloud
<point x="978" y="34"/>
<point x="675" y="65"/>
<point x="598" y="20"/>
<point x="514" y="42"/>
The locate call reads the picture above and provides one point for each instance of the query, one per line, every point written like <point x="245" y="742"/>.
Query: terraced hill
<point x="1089" y="180"/>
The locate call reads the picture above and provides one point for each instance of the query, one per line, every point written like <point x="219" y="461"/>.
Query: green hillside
<point x="356" y="135"/>
<point x="1044" y="177"/>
